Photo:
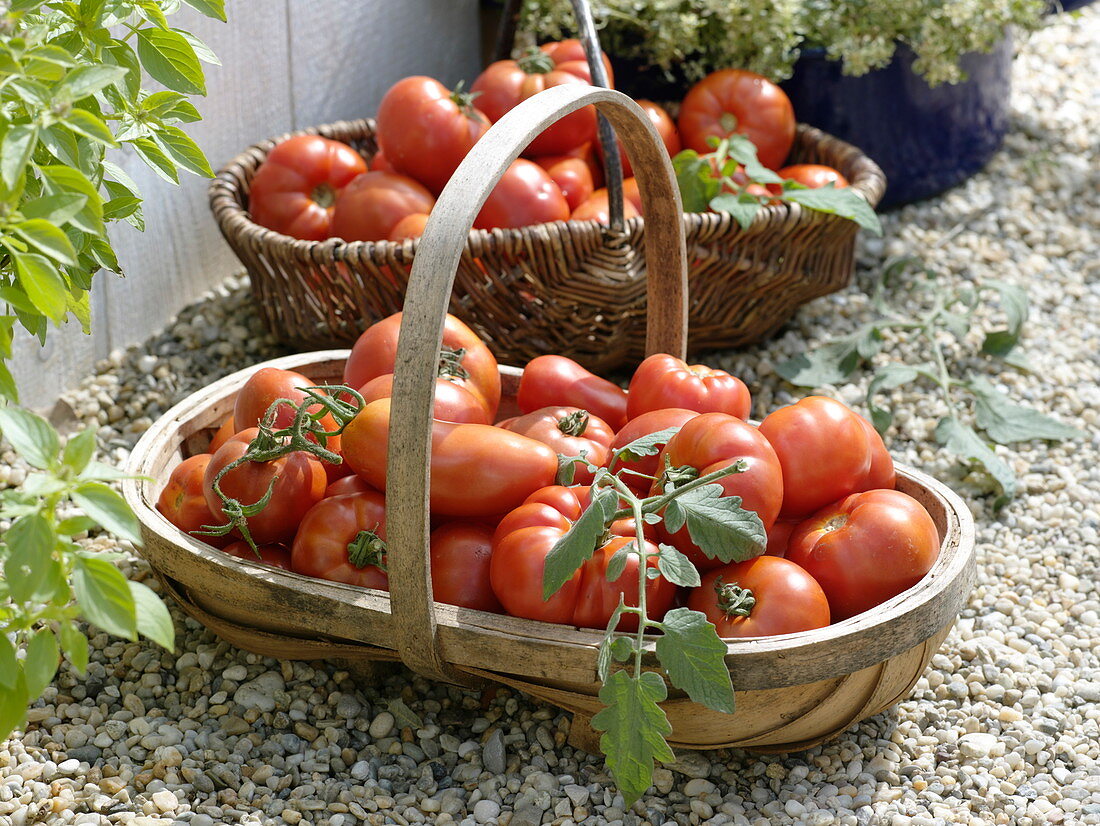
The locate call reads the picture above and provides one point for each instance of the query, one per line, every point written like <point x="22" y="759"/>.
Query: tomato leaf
<point x="832" y="362"/>
<point x="677" y="568"/>
<point x="635" y="728"/>
<point x="717" y="524"/>
<point x="607" y="645"/>
<point x="617" y="564"/>
<point x="32" y="436"/>
<point x="649" y="445"/>
<point x="695" y="658"/>
<point x="742" y="150"/>
<point x="170" y="59"/>
<point x="578" y="543"/>
<point x="1006" y="422"/>
<point x="40" y="664"/>
<point x="961" y="439"/>
<point x="30" y="542"/>
<point x="109" y="509"/>
<point x="153" y="619"/>
<point x="743" y="208"/>
<point x="1014" y="303"/>
<point x="695" y="179"/>
<point x="843" y="202"/>
<point x="887" y="378"/>
<point x="104" y="597"/>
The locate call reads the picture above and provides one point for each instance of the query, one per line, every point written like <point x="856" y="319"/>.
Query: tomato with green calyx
<point x="372" y="205"/>
<point x="568" y="431"/>
<point x="295" y="188"/>
<point x="663" y="381"/>
<point x="425" y="129"/>
<point x="277" y="556"/>
<point x="733" y="101"/>
<point x="476" y="470"/>
<point x="552" y="380"/>
<point x="460" y="555"/>
<point x="464" y="359"/>
<point x="343" y="539"/>
<point x="183" y="503"/>
<point x="710" y="442"/>
<point x="824" y="450"/>
<point x="760" y="597"/>
<point x="866" y="548"/>
<point x="297" y="481"/>
<point x="453" y="402"/>
<point x="639" y="473"/>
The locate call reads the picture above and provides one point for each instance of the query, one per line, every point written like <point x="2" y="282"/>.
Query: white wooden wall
<point x="286" y="64"/>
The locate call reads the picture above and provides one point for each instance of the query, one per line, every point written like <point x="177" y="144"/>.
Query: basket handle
<point x="427" y="297"/>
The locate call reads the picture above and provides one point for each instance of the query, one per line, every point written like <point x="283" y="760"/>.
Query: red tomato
<point x="411" y="226"/>
<point x="375" y="353"/>
<point x="779" y="536"/>
<point x="866" y="548"/>
<point x="666" y="128"/>
<point x="426" y="130"/>
<point x="587" y="599"/>
<point x="348" y="484"/>
<point x="596" y="208"/>
<point x="824" y="451"/>
<point x="572" y="175"/>
<point x="711" y="442"/>
<point x="507" y="83"/>
<point x="735" y="100"/>
<point x="760" y="597"/>
<point x="460" y="556"/>
<point x="644" y="425"/>
<point x="379" y="163"/>
<point x="665" y="381"/>
<point x="453" y="402"/>
<point x="343" y="539"/>
<point x="371" y="206"/>
<point x="568" y="431"/>
<point x="555" y="506"/>
<point x="228" y="428"/>
<point x="525" y="195"/>
<point x="295" y="188"/>
<point x="476" y="470"/>
<point x="633" y="194"/>
<point x="183" y="503"/>
<point x="277" y="556"/>
<point x="566" y="53"/>
<point x="550" y="380"/>
<point x="299" y="483"/>
<point x="881" y="473"/>
<point x="813" y="175"/>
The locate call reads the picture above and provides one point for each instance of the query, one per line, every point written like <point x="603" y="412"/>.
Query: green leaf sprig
<point x="731" y="179"/>
<point x="941" y="323"/>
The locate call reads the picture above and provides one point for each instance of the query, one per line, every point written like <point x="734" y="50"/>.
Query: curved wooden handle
<point x="426" y="302"/>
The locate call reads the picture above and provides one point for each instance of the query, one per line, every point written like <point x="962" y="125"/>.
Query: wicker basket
<point x="575" y="288"/>
<point x="793" y="690"/>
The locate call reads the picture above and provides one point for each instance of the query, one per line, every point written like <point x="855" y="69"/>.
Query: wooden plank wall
<point x="286" y="64"/>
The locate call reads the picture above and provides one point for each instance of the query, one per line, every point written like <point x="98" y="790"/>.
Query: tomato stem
<point x="535" y="62"/>
<point x="653" y="504"/>
<point x="323" y="195"/>
<point x="733" y="600"/>
<point x="368" y="548"/>
<point x="450" y="363"/>
<point x="574" y="424"/>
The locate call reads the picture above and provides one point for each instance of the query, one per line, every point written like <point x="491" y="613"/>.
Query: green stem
<point x="654" y="504"/>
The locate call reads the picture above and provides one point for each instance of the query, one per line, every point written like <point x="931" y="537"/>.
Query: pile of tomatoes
<point x="840" y="538"/>
<point x="314" y="188"/>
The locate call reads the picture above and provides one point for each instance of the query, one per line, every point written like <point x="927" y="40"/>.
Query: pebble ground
<point x="1004" y="728"/>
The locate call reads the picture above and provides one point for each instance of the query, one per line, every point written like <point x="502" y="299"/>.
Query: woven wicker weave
<point x="575" y="288"/>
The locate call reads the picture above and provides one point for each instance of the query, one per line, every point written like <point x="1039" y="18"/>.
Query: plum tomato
<point x="183" y="503"/>
<point x="343" y="539"/>
<point x="568" y="431"/>
<point x="665" y="381"/>
<point x="227" y="429"/>
<point x="550" y="380"/>
<point x="453" y="402"/>
<point x="460" y="556"/>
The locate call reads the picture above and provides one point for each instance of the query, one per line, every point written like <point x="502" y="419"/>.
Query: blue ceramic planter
<point x="926" y="139"/>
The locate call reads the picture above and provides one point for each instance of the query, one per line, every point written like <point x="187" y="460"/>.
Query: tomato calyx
<point x="536" y="62"/>
<point x="733" y="600"/>
<point x="728" y="122"/>
<point x="574" y="424"/>
<point x="672" y="478"/>
<point x="465" y="101"/>
<point x="450" y="363"/>
<point x="835" y="523"/>
<point x="368" y="548"/>
<point x="323" y="195"/>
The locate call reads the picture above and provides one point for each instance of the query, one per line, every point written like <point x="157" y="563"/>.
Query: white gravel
<point x="1004" y="728"/>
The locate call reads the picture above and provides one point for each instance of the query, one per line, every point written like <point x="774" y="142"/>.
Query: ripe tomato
<point x="824" y="450"/>
<point x="295" y="188"/>
<point x="572" y="175"/>
<point x="555" y="506"/>
<point x="227" y="429"/>
<point x="568" y="431"/>
<point x="735" y="100"/>
<point x="379" y="163"/>
<point x="760" y="597"/>
<point x="597" y="208"/>
<point x="426" y="130"/>
<point x="881" y="474"/>
<point x="666" y="128"/>
<point x="587" y="599"/>
<point x="665" y="381"/>
<point x="525" y="195"/>
<point x="633" y="194"/>
<point x="476" y="470"/>
<point x="299" y="483"/>
<point x="453" y="402"/>
<point x="343" y="539"/>
<point x="460" y="556"/>
<point x="567" y="53"/>
<point x="411" y="226"/>
<point x="372" y="205"/>
<point x="651" y="422"/>
<point x="277" y="556"/>
<point x="550" y="380"/>
<point x="866" y="548"/>
<point x="779" y="536"/>
<point x="711" y="442"/>
<point x="507" y="83"/>
<point x="348" y="484"/>
<point x="183" y="503"/>
<point x="813" y="175"/>
<point x="375" y="353"/>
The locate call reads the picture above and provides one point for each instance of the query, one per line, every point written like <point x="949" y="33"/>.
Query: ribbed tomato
<point x="568" y="431"/>
<point x="460" y="557"/>
<point x="183" y="503"/>
<point x="665" y="381"/>
<point x="343" y="539"/>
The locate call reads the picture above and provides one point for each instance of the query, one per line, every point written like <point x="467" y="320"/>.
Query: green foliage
<point x="691" y="38"/>
<point x="940" y="319"/>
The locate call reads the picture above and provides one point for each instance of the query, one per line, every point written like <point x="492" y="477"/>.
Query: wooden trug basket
<point x="793" y="691"/>
<point x="575" y="288"/>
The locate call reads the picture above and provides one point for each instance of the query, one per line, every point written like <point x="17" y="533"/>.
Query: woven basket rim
<point x="227" y="200"/>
